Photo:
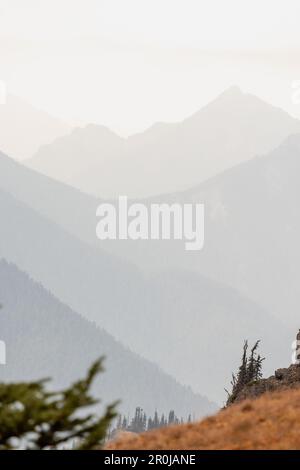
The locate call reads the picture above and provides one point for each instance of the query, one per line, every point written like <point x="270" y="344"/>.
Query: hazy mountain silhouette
<point x="252" y="232"/>
<point x="64" y="205"/>
<point x="23" y="128"/>
<point x="167" y="157"/>
<point x="45" y="338"/>
<point x="174" y="319"/>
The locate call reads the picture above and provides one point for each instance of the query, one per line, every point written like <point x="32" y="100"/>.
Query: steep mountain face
<point x="183" y="322"/>
<point x="45" y="338"/>
<point x="168" y="157"/>
<point x="73" y="210"/>
<point x="23" y="128"/>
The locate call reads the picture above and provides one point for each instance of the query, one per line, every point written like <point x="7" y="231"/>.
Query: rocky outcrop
<point x="282" y="379"/>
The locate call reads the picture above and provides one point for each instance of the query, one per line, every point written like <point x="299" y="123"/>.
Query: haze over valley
<point x="166" y="103"/>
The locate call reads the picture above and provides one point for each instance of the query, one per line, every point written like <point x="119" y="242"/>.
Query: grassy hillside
<point x="270" y="422"/>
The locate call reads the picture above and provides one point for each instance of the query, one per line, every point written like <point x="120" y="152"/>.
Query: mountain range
<point x="183" y="311"/>
<point x="180" y="320"/>
<point x="252" y="228"/>
<point x="167" y="157"/>
<point x="24" y="128"/>
<point x="45" y="338"/>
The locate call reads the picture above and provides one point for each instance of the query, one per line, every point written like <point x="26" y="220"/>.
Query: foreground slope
<point x="270" y="422"/>
<point x="45" y="338"/>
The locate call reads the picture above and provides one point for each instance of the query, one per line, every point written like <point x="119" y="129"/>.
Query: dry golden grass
<point x="269" y="422"/>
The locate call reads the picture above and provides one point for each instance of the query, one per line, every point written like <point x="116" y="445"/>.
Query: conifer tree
<point x="155" y="420"/>
<point x="141" y="423"/>
<point x="249" y="371"/>
<point x="39" y="419"/>
<point x="171" y="419"/>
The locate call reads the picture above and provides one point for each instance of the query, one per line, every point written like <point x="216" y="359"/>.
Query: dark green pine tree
<point x="155" y="420"/>
<point x="163" y="421"/>
<point x="124" y="423"/>
<point x="258" y="367"/>
<point x="150" y="424"/>
<point x="252" y="364"/>
<point x="48" y="420"/>
<point x="171" y="419"/>
<point x="138" y="423"/>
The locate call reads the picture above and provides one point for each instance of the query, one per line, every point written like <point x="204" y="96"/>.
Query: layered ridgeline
<point x="23" y="128"/>
<point x="252" y="232"/>
<point x="182" y="321"/>
<point x="45" y="338"/>
<point x="167" y="157"/>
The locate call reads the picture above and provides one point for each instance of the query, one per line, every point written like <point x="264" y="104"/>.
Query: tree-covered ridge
<point x="46" y="338"/>
<point x="141" y="422"/>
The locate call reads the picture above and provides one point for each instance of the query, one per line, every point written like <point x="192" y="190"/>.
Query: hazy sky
<point x="129" y="63"/>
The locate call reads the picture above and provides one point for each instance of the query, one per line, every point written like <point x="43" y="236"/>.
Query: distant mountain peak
<point x="93" y="130"/>
<point x="233" y="90"/>
<point x="25" y="128"/>
<point x="168" y="157"/>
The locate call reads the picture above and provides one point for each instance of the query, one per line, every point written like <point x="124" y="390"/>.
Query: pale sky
<point x="129" y="63"/>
